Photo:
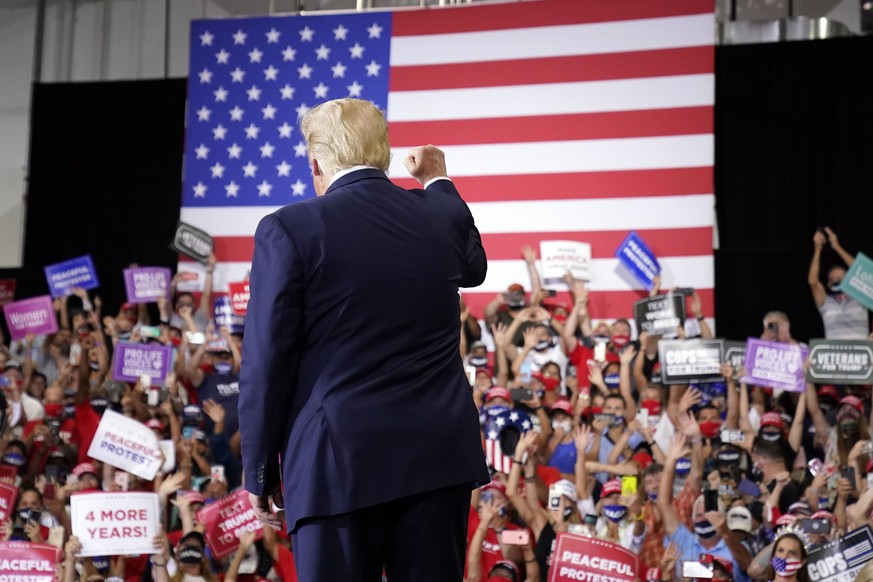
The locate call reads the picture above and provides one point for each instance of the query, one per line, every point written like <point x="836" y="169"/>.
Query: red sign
<point x="7" y="291"/>
<point x="228" y="519"/>
<point x="27" y="561"/>
<point x="8" y="494"/>
<point x="239" y="296"/>
<point x="8" y="474"/>
<point x="583" y="558"/>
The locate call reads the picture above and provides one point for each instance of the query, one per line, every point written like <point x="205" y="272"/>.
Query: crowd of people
<point x="580" y="434"/>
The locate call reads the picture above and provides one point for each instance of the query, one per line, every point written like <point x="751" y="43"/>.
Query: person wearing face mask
<point x="192" y="564"/>
<point x="788" y="561"/>
<point x="612" y="426"/>
<point x="54" y="432"/>
<point x="218" y="380"/>
<point x="851" y="427"/>
<point x="621" y="521"/>
<point x="540" y="347"/>
<point x="487" y="519"/>
<point x="709" y="527"/>
<point x="777" y="328"/>
<point x="843" y="317"/>
<point x="15" y="456"/>
<point x="562" y="450"/>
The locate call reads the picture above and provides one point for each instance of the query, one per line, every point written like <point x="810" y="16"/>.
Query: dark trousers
<point x="420" y="538"/>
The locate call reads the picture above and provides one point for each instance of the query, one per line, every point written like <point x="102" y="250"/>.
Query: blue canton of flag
<point x="251" y="80"/>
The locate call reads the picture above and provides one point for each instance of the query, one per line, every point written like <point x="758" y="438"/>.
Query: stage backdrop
<point x="560" y="121"/>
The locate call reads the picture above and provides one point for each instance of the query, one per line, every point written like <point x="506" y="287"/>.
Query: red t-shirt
<point x="67" y="434"/>
<point x="579" y="357"/>
<point x="285" y="566"/>
<point x="491" y="552"/>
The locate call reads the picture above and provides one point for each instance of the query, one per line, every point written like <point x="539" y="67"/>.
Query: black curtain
<point x="105" y="179"/>
<point x="793" y="127"/>
<point x="794" y="151"/>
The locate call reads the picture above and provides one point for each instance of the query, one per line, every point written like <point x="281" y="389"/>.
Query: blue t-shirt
<point x="690" y="549"/>
<point x="606" y="446"/>
<point x="225" y="391"/>
<point x="564" y="458"/>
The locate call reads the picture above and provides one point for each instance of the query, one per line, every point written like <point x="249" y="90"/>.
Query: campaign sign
<point x="560" y="256"/>
<point x="168" y="448"/>
<point x="192" y="242"/>
<point x="113" y="523"/>
<point x="239" y="296"/>
<point x="26" y="561"/>
<point x="134" y="360"/>
<point x="226" y="520"/>
<point x="8" y="473"/>
<point x="735" y="354"/>
<point x="690" y="361"/>
<point x="841" y="559"/>
<point x="661" y="314"/>
<point x="34" y="315"/>
<point x="858" y="282"/>
<point x="7" y="291"/>
<point x="78" y="272"/>
<point x="579" y="557"/>
<point x="147" y="284"/>
<point x="222" y="312"/>
<point x="775" y="364"/>
<point x="840" y="361"/>
<point x="8" y="495"/>
<point x="127" y="444"/>
<point x="637" y="258"/>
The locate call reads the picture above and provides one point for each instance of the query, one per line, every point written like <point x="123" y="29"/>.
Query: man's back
<point x="381" y="407"/>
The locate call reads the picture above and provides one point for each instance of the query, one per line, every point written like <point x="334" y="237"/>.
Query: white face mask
<point x="564" y="425"/>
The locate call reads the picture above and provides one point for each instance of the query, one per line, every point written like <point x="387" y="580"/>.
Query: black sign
<point x="735" y="355"/>
<point x="840" y="361"/>
<point x="690" y="361"/>
<point x="841" y="559"/>
<point x="661" y="314"/>
<point x="192" y="242"/>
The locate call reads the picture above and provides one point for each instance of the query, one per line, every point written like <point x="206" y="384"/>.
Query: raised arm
<point x="530" y="258"/>
<point x="205" y="307"/>
<point x="665" y="489"/>
<point x="822" y="428"/>
<point x="624" y="382"/>
<point x="818" y="290"/>
<point x="838" y="248"/>
<point x="732" y="418"/>
<point x="795" y="435"/>
<point x="697" y="311"/>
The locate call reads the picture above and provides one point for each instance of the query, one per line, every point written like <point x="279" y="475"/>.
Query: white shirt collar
<point x="342" y="173"/>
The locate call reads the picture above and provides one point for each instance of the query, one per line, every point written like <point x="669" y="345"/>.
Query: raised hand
<point x="530" y="255"/>
<point x="425" y="163"/>
<point x="819" y="239"/>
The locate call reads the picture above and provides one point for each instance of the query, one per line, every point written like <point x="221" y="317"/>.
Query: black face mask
<point x="190" y="555"/>
<point x="568" y="511"/>
<point x="756" y="474"/>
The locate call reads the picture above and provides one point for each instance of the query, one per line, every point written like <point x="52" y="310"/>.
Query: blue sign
<point x="78" y="272"/>
<point x="637" y="258"/>
<point x="222" y="312"/>
<point x="858" y="282"/>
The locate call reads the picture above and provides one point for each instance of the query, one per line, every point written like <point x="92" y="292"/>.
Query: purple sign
<point x="78" y="272"/>
<point x="775" y="364"/>
<point x="34" y="315"/>
<point x="146" y="284"/>
<point x="135" y="360"/>
<point x="222" y="312"/>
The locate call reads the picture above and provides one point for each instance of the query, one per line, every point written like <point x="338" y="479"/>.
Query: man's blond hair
<point x="346" y="132"/>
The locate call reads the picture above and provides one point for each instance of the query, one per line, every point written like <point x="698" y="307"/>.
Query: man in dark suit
<point x="351" y="370"/>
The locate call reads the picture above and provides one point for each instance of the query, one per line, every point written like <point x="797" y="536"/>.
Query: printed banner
<point x="127" y="444"/>
<point x="8" y="495"/>
<point x="858" y="282"/>
<point x="222" y="312"/>
<point x="35" y="315"/>
<point x="560" y="256"/>
<point x="661" y="314"/>
<point x="239" y="297"/>
<point x="28" y="562"/>
<point x="579" y="557"/>
<point x="840" y="361"/>
<point x="78" y="272"/>
<point x="147" y="284"/>
<point x="7" y="291"/>
<point x="639" y="260"/>
<point x="841" y="559"/>
<point x="193" y="242"/>
<point x="690" y="361"/>
<point x="113" y="523"/>
<point x="735" y="354"/>
<point x="775" y="364"/>
<point x="135" y="360"/>
<point x="226" y="520"/>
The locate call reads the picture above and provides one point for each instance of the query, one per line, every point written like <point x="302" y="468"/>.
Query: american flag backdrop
<point x="560" y="119"/>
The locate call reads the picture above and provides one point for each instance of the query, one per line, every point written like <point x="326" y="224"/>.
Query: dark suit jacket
<point x="351" y="370"/>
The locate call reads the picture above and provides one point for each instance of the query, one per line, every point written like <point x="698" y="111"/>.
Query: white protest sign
<point x="560" y="256"/>
<point x="168" y="448"/>
<point x="115" y="523"/>
<point x="126" y="444"/>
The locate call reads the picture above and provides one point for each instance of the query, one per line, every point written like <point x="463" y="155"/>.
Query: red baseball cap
<point x="611" y="487"/>
<point x="724" y="563"/>
<point x="497" y="392"/>
<point x="194" y="497"/>
<point x="83" y="468"/>
<point x="830" y="391"/>
<point x="772" y="419"/>
<point x="854" y="402"/>
<point x="643" y="459"/>
<point x="562" y="404"/>
<point x="155" y="424"/>
<point x="494" y="485"/>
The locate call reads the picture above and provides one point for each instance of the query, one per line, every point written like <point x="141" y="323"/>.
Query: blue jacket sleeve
<point x="268" y="376"/>
<point x="476" y="264"/>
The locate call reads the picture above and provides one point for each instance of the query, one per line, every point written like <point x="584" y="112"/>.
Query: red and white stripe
<point x="560" y="119"/>
<point x="495" y="457"/>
